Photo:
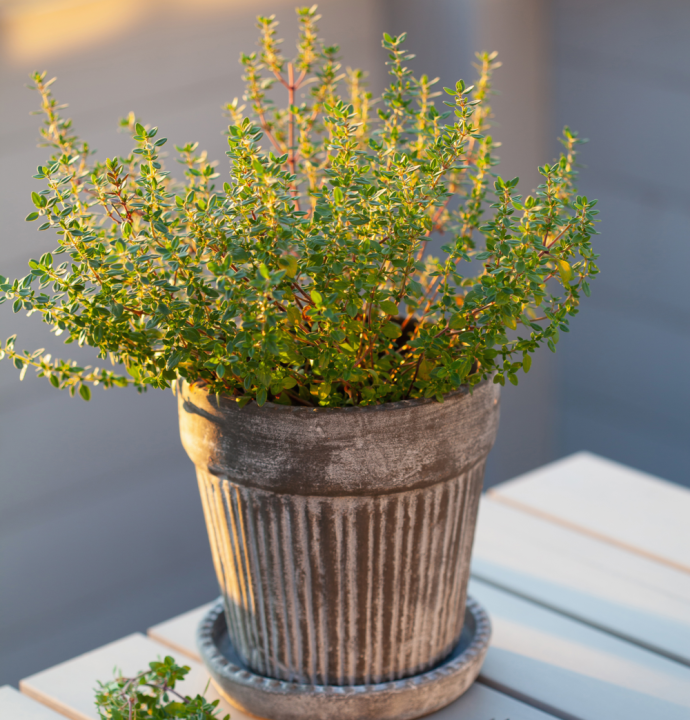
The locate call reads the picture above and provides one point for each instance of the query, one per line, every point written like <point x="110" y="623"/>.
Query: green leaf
<point x="389" y="307"/>
<point x="294" y="315"/>
<point x="264" y="271"/>
<point x="424" y="372"/>
<point x="31" y="217"/>
<point x="85" y="392"/>
<point x="289" y="264"/>
<point x="316" y="297"/>
<point x="322" y="391"/>
<point x="392" y="330"/>
<point x="565" y="271"/>
<point x="526" y="363"/>
<point x="457" y="322"/>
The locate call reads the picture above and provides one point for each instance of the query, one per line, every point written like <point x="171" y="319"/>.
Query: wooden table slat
<point x="68" y="688"/>
<point x="551" y="661"/>
<point x="15" y="706"/>
<point x="574" y="573"/>
<point x="612" y="502"/>
<point x="588" y="674"/>
<point x="478" y="703"/>
<point x="179" y="633"/>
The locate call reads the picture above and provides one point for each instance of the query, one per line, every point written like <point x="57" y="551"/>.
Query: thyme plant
<point x="151" y="695"/>
<point x="300" y="274"/>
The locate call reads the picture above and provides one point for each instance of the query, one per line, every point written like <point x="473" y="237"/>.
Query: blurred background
<point x="101" y="529"/>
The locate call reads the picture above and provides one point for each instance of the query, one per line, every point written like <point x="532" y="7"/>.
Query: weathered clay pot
<point x="341" y="537"/>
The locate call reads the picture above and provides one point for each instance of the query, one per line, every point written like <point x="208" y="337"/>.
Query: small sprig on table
<point x="151" y="694"/>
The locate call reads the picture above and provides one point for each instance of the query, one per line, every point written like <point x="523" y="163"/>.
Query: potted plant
<point x="337" y="384"/>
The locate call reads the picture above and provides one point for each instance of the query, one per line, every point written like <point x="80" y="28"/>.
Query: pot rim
<point x="378" y="407"/>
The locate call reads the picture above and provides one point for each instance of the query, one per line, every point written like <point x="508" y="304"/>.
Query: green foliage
<point x="304" y="277"/>
<point x="151" y="695"/>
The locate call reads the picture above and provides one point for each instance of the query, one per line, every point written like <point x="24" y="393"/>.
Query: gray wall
<point x="622" y="78"/>
<point x="101" y="530"/>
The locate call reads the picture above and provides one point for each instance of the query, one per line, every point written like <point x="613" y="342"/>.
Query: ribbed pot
<point x="341" y="537"/>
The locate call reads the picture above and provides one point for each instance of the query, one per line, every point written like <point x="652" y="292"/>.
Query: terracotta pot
<point x="341" y="537"/>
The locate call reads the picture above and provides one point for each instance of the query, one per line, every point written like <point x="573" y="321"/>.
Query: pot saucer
<point x="405" y="699"/>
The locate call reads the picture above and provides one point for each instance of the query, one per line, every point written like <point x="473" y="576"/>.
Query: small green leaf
<point x="293" y="315"/>
<point x="289" y="264"/>
<point x="565" y="271"/>
<point x="464" y="368"/>
<point x="264" y="271"/>
<point x="392" y="330"/>
<point x="85" y="392"/>
<point x="316" y="297"/>
<point x="526" y="363"/>
<point x="389" y="307"/>
<point x="31" y="217"/>
<point x="457" y="322"/>
<point x="322" y="391"/>
<point x="424" y="372"/>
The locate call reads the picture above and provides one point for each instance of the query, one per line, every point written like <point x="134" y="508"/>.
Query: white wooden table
<point x="584" y="567"/>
